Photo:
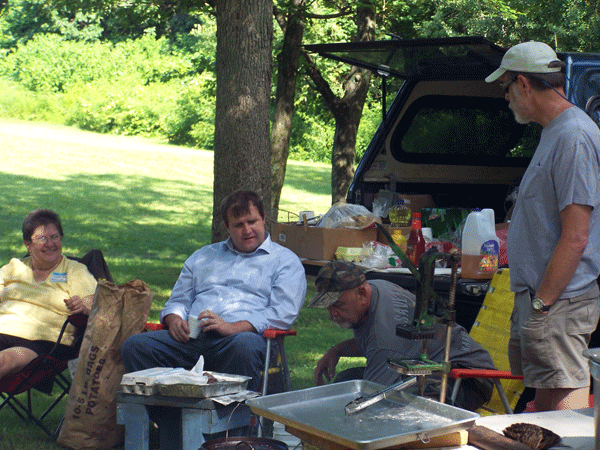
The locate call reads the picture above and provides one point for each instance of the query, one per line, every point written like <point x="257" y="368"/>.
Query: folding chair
<point x="45" y="371"/>
<point x="41" y="374"/>
<point x="492" y="330"/>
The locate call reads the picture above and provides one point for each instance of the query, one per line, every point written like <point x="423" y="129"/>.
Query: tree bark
<point x="243" y="67"/>
<point x="288" y="61"/>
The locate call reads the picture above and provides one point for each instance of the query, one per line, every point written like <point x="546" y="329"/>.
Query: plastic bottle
<point x="399" y="239"/>
<point x="400" y="214"/>
<point x="415" y="245"/>
<point x="480" y="246"/>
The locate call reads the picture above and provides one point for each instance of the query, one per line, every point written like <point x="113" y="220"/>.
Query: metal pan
<point x="397" y="419"/>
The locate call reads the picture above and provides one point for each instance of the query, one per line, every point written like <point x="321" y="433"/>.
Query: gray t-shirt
<point x="392" y="305"/>
<point x="564" y="170"/>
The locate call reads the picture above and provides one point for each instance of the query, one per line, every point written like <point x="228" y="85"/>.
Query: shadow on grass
<point x="146" y="227"/>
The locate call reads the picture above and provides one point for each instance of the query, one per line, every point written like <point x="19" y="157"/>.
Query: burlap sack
<point x="91" y="411"/>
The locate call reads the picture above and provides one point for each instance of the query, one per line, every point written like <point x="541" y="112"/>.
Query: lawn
<point x="147" y="206"/>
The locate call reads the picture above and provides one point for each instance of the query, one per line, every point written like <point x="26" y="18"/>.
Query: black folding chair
<point x="46" y="371"/>
<point x="41" y="374"/>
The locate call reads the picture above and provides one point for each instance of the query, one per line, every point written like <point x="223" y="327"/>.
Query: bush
<point x="49" y="64"/>
<point x="147" y="87"/>
<point x="191" y="120"/>
<point x="118" y="108"/>
<point x="19" y="103"/>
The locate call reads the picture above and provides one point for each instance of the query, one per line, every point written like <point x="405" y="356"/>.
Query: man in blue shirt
<point x="237" y="289"/>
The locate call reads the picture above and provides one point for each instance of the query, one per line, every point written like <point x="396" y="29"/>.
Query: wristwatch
<point x="538" y="305"/>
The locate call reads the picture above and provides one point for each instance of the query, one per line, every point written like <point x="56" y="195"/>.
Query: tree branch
<point x="346" y="11"/>
<point x="279" y="18"/>
<point x="320" y="83"/>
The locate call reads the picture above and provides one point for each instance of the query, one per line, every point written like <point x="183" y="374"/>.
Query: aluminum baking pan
<point x="225" y="384"/>
<point x="163" y="381"/>
<point x="400" y="418"/>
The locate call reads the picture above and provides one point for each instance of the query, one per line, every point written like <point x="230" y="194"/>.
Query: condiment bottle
<point x="399" y="214"/>
<point x="415" y="246"/>
<point x="479" y="246"/>
<point x="399" y="239"/>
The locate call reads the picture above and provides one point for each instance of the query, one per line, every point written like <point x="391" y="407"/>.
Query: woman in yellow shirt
<point x="38" y="292"/>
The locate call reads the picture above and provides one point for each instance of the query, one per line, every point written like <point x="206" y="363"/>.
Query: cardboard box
<point x="417" y="202"/>
<point x="319" y="243"/>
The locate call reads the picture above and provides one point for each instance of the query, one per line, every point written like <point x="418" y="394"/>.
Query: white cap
<point x="528" y="57"/>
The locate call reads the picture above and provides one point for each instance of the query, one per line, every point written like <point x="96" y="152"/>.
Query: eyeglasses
<point x="43" y="239"/>
<point x="506" y="85"/>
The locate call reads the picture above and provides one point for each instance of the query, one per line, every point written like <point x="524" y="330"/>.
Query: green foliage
<point x="23" y="19"/>
<point x="125" y="111"/>
<point x="566" y="25"/>
<point x="19" y="103"/>
<point x="149" y="87"/>
<point x="109" y="70"/>
<point x="191" y="120"/>
<point x="46" y="63"/>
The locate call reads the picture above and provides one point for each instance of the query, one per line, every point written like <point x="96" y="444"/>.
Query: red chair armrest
<point x="150" y="326"/>
<point x="272" y="333"/>
<point x="483" y="373"/>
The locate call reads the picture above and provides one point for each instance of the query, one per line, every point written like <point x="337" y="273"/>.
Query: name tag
<point x="58" y="277"/>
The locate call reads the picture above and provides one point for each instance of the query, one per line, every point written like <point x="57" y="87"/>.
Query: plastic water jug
<point x="480" y="245"/>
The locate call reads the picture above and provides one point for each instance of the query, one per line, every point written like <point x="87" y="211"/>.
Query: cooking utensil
<point x="360" y="403"/>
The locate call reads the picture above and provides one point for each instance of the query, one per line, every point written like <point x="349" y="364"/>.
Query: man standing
<point x="237" y="288"/>
<point x="554" y="234"/>
<point x="372" y="309"/>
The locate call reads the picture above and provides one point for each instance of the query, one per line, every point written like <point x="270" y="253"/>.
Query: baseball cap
<point x="528" y="57"/>
<point x="333" y="279"/>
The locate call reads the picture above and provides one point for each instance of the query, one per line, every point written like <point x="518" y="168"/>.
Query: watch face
<point x="538" y="304"/>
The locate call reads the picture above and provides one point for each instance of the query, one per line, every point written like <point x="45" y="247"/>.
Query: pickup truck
<point x="448" y="133"/>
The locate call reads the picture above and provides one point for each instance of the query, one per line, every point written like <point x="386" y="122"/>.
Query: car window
<point x="462" y="130"/>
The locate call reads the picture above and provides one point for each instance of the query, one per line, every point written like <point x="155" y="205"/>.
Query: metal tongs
<point x="361" y="402"/>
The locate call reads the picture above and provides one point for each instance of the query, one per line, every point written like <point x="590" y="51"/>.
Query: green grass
<point x="147" y="206"/>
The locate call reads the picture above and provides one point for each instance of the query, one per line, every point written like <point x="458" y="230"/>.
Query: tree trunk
<point x="243" y="67"/>
<point x="347" y="110"/>
<point x="288" y="61"/>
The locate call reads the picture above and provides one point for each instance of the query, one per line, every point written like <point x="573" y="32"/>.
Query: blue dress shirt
<point x="266" y="287"/>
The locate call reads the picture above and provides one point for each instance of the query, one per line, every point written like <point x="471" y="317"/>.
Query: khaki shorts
<point x="547" y="348"/>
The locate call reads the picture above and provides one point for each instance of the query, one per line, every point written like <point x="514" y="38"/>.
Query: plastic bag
<point x="348" y="215"/>
<point x="383" y="202"/>
<point x="382" y="257"/>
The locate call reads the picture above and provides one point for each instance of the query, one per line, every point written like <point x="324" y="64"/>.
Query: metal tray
<point x="400" y="418"/>
<point x="150" y="382"/>
<point x="226" y="384"/>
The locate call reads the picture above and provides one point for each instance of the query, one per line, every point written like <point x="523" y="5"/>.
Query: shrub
<point x="119" y="108"/>
<point x="19" y="103"/>
<point x="191" y="119"/>
<point x="49" y="64"/>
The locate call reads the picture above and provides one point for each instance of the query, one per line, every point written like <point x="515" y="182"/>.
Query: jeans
<point x="240" y="354"/>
